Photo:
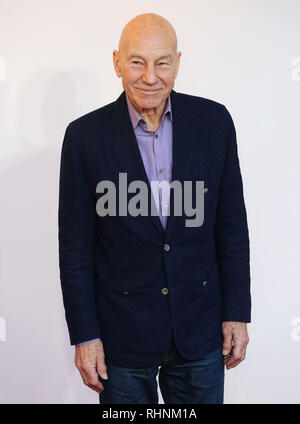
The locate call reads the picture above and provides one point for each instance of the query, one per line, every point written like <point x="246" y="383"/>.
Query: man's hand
<point x="89" y="359"/>
<point x="235" y="340"/>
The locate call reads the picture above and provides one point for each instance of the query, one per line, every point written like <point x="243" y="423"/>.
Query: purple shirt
<point x="156" y="151"/>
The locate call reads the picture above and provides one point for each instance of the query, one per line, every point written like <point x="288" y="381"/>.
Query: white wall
<point x="56" y="64"/>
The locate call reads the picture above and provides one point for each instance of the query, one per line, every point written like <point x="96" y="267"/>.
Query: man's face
<point x="148" y="67"/>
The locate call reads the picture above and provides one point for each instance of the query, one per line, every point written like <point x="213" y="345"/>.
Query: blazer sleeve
<point x="231" y="235"/>
<point x="76" y="234"/>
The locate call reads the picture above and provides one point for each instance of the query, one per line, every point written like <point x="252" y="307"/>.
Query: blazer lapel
<point x="185" y="145"/>
<point x="126" y="148"/>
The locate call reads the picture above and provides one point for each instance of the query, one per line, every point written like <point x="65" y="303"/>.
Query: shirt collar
<point x="135" y="115"/>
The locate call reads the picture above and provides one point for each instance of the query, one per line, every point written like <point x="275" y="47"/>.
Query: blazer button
<point x="205" y="190"/>
<point x="167" y="247"/>
<point x="204" y="283"/>
<point x="165" y="290"/>
<point x="125" y="293"/>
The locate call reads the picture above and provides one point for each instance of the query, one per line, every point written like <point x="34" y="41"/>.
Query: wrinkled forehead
<point x="148" y="44"/>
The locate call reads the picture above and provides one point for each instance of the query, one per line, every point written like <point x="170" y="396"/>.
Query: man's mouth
<point x="150" y="91"/>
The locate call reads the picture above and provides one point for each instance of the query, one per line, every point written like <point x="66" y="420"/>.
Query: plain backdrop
<point x="56" y="65"/>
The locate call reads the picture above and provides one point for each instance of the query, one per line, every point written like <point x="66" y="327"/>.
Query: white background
<point x="56" y="65"/>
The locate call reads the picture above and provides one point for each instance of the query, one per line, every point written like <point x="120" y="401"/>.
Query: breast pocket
<point x="211" y="188"/>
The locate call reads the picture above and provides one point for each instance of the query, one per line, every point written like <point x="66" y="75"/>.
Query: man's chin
<point x="149" y="101"/>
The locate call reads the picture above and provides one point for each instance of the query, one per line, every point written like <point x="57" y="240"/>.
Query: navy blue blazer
<point x="127" y="280"/>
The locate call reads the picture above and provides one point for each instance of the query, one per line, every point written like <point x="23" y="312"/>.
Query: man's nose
<point x="150" y="75"/>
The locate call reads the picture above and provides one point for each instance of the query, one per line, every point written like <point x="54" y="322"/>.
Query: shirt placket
<point x="160" y="158"/>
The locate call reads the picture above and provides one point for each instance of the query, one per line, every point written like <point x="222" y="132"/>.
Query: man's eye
<point x="135" y="61"/>
<point x="163" y="63"/>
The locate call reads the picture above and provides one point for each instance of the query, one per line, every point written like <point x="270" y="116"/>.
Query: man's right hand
<point x="89" y="360"/>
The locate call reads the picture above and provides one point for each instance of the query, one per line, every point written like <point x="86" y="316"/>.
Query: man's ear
<point x="116" y="62"/>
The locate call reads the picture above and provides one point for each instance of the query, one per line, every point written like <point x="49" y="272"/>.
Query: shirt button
<point x="205" y="190"/>
<point x="161" y="170"/>
<point x="156" y="135"/>
<point x="125" y="293"/>
<point x="165" y="290"/>
<point x="165" y="206"/>
<point x="204" y="283"/>
<point x="167" y="247"/>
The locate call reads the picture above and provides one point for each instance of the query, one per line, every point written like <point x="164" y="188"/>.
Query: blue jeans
<point x="180" y="380"/>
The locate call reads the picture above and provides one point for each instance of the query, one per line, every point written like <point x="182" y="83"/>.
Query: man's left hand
<point x="235" y="341"/>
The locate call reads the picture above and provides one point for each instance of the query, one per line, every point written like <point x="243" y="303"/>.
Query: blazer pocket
<point x="208" y="278"/>
<point x="210" y="283"/>
<point x="123" y="287"/>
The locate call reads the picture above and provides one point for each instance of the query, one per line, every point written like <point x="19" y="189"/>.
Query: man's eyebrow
<point x="167" y="55"/>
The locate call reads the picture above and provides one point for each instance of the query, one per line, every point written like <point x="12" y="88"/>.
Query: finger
<point x="101" y="367"/>
<point x="238" y="355"/>
<point x="96" y="389"/>
<point x="91" y="379"/>
<point x="86" y="382"/>
<point x="234" y="364"/>
<point x="239" y="349"/>
<point x="227" y="344"/>
<point x="83" y="376"/>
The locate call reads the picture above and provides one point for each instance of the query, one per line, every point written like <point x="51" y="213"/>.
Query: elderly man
<point x="145" y="294"/>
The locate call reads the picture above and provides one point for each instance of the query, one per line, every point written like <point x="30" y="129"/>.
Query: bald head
<point x="147" y="62"/>
<point x="147" y="26"/>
